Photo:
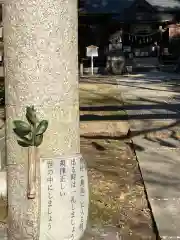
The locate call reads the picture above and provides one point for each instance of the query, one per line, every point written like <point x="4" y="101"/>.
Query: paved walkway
<point x="153" y="106"/>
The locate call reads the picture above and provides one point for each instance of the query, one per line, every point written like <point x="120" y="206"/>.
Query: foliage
<point x="31" y="132"/>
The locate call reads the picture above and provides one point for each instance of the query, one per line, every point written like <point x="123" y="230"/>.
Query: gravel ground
<point x="118" y="203"/>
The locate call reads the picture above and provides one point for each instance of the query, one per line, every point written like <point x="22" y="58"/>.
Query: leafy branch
<point x="31" y="132"/>
<point x="30" y="135"/>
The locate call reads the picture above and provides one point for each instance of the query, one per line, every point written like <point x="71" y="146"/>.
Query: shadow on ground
<point x="143" y="109"/>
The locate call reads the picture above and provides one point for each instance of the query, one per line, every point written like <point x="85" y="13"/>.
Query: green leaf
<point x="23" y="144"/>
<point x="27" y="140"/>
<point x="31" y="115"/>
<point x="42" y="127"/>
<point x="20" y="133"/>
<point x="22" y="136"/>
<point x="38" y="140"/>
<point x="21" y="128"/>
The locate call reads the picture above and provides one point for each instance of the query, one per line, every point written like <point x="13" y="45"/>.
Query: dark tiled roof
<point x="118" y="6"/>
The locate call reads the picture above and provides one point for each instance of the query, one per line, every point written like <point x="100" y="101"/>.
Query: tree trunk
<point x="40" y="43"/>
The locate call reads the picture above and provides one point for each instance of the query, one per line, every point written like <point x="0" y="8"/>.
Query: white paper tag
<point x="64" y="198"/>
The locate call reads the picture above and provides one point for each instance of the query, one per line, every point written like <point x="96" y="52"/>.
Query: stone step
<point x="144" y="69"/>
<point x="167" y="68"/>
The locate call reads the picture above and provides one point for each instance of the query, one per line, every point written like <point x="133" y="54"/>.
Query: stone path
<point x="153" y="106"/>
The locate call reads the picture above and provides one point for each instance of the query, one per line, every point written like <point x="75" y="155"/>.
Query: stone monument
<point x="47" y="176"/>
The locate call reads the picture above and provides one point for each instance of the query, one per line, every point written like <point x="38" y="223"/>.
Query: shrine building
<point x="131" y="25"/>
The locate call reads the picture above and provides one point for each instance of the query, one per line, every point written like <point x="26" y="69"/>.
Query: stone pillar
<point x="40" y="42"/>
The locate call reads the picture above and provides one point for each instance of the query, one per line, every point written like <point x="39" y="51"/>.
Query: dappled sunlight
<point x="116" y="190"/>
<point x="153" y="107"/>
